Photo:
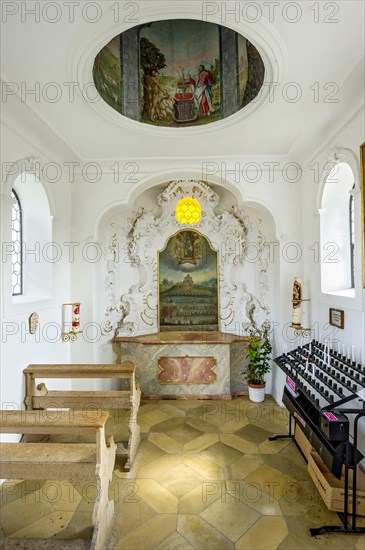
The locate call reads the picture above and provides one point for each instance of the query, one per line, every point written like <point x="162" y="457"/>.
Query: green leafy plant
<point x="258" y="353"/>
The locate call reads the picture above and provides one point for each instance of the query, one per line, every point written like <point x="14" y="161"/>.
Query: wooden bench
<point x="63" y="461"/>
<point x="39" y="397"/>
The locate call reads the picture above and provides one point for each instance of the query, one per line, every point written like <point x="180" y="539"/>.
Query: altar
<point x="194" y="365"/>
<point x="182" y="289"/>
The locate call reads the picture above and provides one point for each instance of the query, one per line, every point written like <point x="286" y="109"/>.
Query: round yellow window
<point x="188" y="211"/>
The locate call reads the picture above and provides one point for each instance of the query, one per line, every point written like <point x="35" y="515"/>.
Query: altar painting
<point x="188" y="284"/>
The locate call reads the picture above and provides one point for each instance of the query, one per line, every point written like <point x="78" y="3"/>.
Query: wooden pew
<point x="63" y="461"/>
<point x="39" y="397"/>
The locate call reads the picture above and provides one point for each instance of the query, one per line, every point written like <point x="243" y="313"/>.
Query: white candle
<point x="343" y="350"/>
<point x="348" y="352"/>
<point x="66" y="318"/>
<point x="310" y="348"/>
<point x="305" y="314"/>
<point x="338" y="347"/>
<point x="320" y="336"/>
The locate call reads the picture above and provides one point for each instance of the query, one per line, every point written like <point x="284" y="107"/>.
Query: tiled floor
<point x="206" y="477"/>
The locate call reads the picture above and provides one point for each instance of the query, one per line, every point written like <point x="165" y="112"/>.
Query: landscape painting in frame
<point x="188" y="284"/>
<point x="180" y="71"/>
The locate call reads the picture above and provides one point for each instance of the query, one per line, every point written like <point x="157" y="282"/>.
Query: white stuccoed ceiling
<point x="310" y="48"/>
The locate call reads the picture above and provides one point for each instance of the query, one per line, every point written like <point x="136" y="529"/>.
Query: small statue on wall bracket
<point x="33" y="322"/>
<point x="297" y="303"/>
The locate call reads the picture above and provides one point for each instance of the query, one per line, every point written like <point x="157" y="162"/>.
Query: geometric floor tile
<point x="159" y="498"/>
<point x="150" y="534"/>
<point x="175" y="542"/>
<point x="18" y="514"/>
<point x="267" y="533"/>
<point x="254" y="434"/>
<point x="159" y="466"/>
<point x="200" y="443"/>
<point x="242" y="467"/>
<point x="47" y="525"/>
<point x="207" y="469"/>
<point x="201" y="534"/>
<point x="270" y="481"/>
<point x="230" y="516"/>
<point x="243" y="445"/>
<point x="153" y="417"/>
<point x="180" y="480"/>
<point x="221" y="454"/>
<point x="197" y="500"/>
<point x="165" y="442"/>
<point x="205" y="477"/>
<point x="252" y="495"/>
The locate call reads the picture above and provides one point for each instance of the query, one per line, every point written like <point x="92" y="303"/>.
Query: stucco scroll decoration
<point x="135" y="311"/>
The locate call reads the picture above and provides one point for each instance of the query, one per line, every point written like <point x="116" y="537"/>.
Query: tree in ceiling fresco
<point x="179" y="73"/>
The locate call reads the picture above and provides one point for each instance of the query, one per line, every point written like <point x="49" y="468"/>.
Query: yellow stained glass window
<point x="188" y="211"/>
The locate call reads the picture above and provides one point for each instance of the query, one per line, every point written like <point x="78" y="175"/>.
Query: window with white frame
<point x="16" y="238"/>
<point x="338" y="232"/>
<point x="32" y="241"/>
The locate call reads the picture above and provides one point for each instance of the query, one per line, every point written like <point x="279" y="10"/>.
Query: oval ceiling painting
<point x="178" y="73"/>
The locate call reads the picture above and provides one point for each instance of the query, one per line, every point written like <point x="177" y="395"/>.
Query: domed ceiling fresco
<point x="178" y="73"/>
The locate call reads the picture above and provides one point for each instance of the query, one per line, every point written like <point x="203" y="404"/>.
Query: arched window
<point x="338" y="231"/>
<point x="36" y="250"/>
<point x="352" y="237"/>
<point x="17" y="242"/>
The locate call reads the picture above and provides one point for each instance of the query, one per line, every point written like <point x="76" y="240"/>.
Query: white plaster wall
<point x="350" y="136"/>
<point x="80" y="205"/>
<point x="18" y="347"/>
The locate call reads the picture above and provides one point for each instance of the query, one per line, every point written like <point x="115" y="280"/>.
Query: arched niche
<point x="132" y="240"/>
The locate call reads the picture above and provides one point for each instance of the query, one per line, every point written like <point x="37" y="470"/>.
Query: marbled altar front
<point x="187" y="370"/>
<point x="146" y="352"/>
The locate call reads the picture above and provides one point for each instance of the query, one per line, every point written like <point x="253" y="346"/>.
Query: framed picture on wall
<point x="362" y="178"/>
<point x="337" y="318"/>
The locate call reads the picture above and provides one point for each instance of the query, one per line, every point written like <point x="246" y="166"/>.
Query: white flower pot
<point x="256" y="393"/>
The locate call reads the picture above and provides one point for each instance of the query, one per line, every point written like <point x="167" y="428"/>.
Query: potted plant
<point x="258" y="353"/>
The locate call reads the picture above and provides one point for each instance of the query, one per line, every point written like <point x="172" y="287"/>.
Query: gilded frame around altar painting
<point x="362" y="181"/>
<point x="188" y="289"/>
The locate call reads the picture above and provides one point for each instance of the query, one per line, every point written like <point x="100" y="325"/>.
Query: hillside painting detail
<point x="178" y="72"/>
<point x="188" y="284"/>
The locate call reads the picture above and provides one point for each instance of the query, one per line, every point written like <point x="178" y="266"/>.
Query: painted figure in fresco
<point x="188" y="247"/>
<point x="203" y="91"/>
<point x="152" y="91"/>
